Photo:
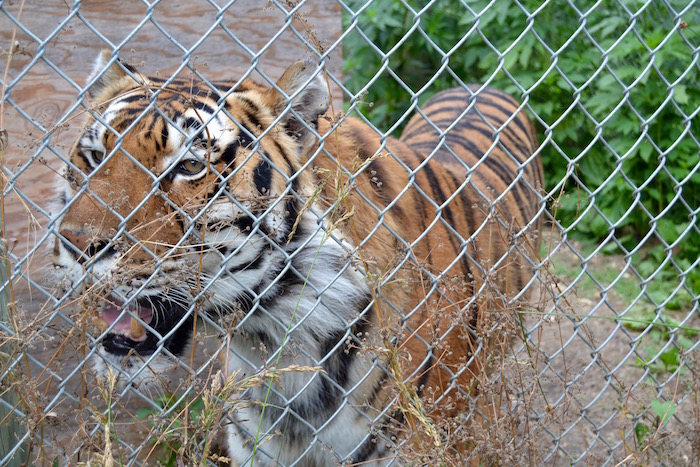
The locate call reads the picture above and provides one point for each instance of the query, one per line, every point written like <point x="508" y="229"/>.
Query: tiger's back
<point x="485" y="170"/>
<point x="448" y="219"/>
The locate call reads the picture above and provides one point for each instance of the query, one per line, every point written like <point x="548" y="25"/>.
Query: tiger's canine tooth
<point x="137" y="329"/>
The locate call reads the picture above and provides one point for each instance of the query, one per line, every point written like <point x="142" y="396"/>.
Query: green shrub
<point x="614" y="89"/>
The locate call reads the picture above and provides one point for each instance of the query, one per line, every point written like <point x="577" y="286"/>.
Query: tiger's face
<point x="175" y="195"/>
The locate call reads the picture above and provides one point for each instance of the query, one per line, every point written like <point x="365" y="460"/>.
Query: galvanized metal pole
<point x="11" y="431"/>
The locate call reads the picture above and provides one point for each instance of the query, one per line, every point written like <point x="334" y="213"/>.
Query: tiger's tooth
<point x="137" y="329"/>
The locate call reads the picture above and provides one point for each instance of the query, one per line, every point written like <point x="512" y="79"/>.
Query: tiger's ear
<point x="304" y="85"/>
<point x="105" y="77"/>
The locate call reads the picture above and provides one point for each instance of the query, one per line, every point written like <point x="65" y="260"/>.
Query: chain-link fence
<point x="596" y="365"/>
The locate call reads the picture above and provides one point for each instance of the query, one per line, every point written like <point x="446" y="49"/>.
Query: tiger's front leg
<point x="348" y="438"/>
<point x="243" y="444"/>
<point x="307" y="418"/>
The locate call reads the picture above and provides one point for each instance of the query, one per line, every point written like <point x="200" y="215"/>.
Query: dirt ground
<point x="588" y="391"/>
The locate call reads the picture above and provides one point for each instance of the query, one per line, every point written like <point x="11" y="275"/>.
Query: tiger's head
<point x="176" y="193"/>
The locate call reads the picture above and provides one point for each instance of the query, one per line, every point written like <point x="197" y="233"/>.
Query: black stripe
<point x="252" y="112"/>
<point x="425" y="371"/>
<point x="244" y="223"/>
<point x="446" y="209"/>
<point x="290" y="169"/>
<point x="192" y="123"/>
<point x="507" y="113"/>
<point x="519" y="191"/>
<point x="338" y="365"/>
<point x="366" y="152"/>
<point x="254" y="107"/>
<point x="229" y="154"/>
<point x="289" y="279"/>
<point x="337" y="368"/>
<point x="366" y="450"/>
<point x="486" y="97"/>
<point x="152" y="124"/>
<point x="252" y="119"/>
<point x="265" y="339"/>
<point x="262" y="176"/>
<point x="201" y="105"/>
<point x="474" y="122"/>
<point x="423" y="215"/>
<point x="448" y="95"/>
<point x="119" y="126"/>
<point x="521" y="142"/>
<point x="291" y="214"/>
<point x="434" y="183"/>
<point x="228" y="107"/>
<point x="465" y="199"/>
<point x="132" y="98"/>
<point x="164" y="136"/>
<point x="242" y="140"/>
<point x="456" y="247"/>
<point x="131" y="111"/>
<point x="222" y="86"/>
<point x="127" y="66"/>
<point x="251" y="265"/>
<point x="494" y="164"/>
<point x="178" y="214"/>
<point x="88" y="163"/>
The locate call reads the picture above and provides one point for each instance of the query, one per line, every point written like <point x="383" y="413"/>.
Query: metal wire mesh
<point x="604" y="368"/>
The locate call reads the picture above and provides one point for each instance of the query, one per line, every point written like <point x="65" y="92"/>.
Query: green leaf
<point x="671" y="359"/>
<point x="680" y="94"/>
<point x="144" y="412"/>
<point x="389" y="22"/>
<point x="511" y="59"/>
<point x="645" y="151"/>
<point x="640" y="432"/>
<point x="663" y="410"/>
<point x="667" y="229"/>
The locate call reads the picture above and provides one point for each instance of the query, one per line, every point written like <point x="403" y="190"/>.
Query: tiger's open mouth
<point x="125" y="325"/>
<point x="127" y="334"/>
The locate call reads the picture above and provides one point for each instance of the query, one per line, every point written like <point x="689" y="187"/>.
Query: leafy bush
<point x="613" y="88"/>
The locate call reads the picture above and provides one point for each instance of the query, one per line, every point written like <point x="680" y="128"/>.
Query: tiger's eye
<point x="192" y="166"/>
<point x="97" y="156"/>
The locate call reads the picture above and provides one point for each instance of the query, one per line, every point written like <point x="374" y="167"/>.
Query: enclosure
<point x="601" y="367"/>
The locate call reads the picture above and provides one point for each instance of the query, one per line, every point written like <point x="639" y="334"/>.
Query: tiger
<point x="344" y="263"/>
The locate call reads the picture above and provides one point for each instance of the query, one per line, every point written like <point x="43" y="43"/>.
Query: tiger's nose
<point x="88" y="244"/>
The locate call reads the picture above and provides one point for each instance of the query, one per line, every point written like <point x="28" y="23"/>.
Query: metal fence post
<point x="10" y="429"/>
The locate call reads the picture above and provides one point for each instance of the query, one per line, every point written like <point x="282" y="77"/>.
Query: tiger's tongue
<point x="126" y="325"/>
